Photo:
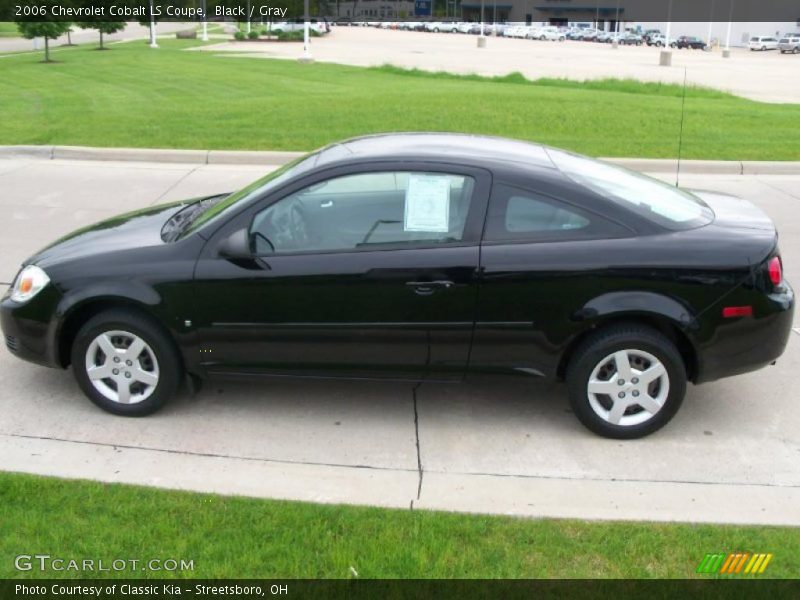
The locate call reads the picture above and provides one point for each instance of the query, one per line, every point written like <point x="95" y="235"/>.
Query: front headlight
<point x="30" y="281"/>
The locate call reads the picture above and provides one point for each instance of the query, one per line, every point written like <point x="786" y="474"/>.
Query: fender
<point x="126" y="291"/>
<point x="637" y="302"/>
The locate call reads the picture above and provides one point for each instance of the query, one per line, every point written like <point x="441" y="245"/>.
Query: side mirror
<point x="236" y="245"/>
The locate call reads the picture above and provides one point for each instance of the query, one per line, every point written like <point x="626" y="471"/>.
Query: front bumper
<point x="28" y="328"/>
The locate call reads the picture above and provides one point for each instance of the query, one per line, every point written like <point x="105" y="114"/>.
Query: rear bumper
<point x="748" y="344"/>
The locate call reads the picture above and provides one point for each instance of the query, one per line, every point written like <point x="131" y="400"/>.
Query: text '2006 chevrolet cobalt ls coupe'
<point x="419" y="257"/>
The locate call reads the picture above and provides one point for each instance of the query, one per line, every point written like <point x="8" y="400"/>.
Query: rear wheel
<point x="626" y="382"/>
<point x="125" y="363"/>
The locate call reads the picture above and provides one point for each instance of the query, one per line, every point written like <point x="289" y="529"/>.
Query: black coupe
<point x="417" y="257"/>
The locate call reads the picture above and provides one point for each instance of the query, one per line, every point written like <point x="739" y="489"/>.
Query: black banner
<point x="459" y="589"/>
<point x="786" y="11"/>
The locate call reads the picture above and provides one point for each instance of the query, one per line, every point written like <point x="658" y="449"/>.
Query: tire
<point x="595" y="361"/>
<point x="151" y="377"/>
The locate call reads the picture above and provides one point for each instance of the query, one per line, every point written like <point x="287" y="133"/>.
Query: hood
<point x="136" y="229"/>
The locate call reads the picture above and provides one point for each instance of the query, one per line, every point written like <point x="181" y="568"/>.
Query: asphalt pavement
<point x="509" y="446"/>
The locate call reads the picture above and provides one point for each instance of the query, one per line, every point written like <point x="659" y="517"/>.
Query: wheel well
<point x="660" y="324"/>
<point x="83" y="313"/>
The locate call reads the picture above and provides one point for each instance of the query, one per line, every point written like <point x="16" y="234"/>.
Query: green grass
<point x="134" y="96"/>
<point x="242" y="537"/>
<point x="8" y="29"/>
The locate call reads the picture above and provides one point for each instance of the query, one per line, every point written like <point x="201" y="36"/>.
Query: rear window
<point x="661" y="203"/>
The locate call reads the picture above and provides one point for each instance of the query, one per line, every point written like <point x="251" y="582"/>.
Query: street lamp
<point x="153" y="43"/>
<point x="205" y="23"/>
<point x="482" y="36"/>
<point x="665" y="59"/>
<point x="726" y="53"/>
<point x="306" y="34"/>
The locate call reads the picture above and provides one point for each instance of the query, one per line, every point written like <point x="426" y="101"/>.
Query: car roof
<point x="451" y="146"/>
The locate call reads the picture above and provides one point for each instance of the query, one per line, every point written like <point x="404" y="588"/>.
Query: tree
<point x="49" y="30"/>
<point x="107" y="27"/>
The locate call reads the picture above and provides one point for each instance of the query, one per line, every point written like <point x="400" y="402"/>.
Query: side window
<point x="367" y="210"/>
<point x="516" y="214"/>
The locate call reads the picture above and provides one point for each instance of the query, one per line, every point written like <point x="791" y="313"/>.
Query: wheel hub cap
<point x="122" y="367"/>
<point x="628" y="387"/>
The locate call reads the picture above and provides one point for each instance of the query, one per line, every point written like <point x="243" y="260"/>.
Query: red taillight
<point x="730" y="312"/>
<point x="775" y="270"/>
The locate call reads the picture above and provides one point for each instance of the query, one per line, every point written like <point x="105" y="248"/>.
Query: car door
<point x="356" y="272"/>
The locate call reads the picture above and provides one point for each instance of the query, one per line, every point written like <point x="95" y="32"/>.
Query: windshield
<point x="258" y="187"/>
<point x="650" y="198"/>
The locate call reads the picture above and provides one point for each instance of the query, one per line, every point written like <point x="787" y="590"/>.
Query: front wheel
<point x="125" y="363"/>
<point x="626" y="382"/>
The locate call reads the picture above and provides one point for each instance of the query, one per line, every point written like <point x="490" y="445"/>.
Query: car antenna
<point x="680" y="132"/>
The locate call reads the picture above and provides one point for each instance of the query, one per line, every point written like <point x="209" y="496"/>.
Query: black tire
<point x="612" y="339"/>
<point x="168" y="359"/>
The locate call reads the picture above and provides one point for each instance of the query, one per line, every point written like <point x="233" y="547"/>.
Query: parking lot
<point x="764" y="76"/>
<point x="507" y="446"/>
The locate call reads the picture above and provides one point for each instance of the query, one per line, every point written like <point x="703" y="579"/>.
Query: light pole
<point x="710" y="25"/>
<point x="306" y="34"/>
<point x="248" y="16"/>
<point x="482" y="36"/>
<point x="665" y="60"/>
<point x="153" y="43"/>
<point x="726" y="53"/>
<point x="205" y="23"/>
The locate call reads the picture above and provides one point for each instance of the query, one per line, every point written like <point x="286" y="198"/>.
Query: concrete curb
<point x="245" y="157"/>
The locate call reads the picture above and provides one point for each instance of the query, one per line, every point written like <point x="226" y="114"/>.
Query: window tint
<point x="654" y="200"/>
<point x="367" y="210"/>
<point x="516" y="214"/>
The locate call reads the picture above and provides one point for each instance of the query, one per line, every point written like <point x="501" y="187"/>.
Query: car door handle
<point x="426" y="288"/>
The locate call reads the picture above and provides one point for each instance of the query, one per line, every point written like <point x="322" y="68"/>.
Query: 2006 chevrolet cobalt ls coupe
<point x="421" y="257"/>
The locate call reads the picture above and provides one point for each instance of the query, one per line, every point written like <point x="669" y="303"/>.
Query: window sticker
<point x="427" y="204"/>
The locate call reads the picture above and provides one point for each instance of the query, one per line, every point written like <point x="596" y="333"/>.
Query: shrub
<point x="253" y="35"/>
<point x="239" y="35"/>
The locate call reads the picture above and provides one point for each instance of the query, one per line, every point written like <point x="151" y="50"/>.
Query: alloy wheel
<point x="122" y="367"/>
<point x="628" y="387"/>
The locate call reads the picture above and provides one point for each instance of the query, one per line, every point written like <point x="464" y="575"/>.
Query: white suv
<point x="762" y="42"/>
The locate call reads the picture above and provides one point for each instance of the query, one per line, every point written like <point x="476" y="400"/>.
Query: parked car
<point x="549" y="33"/>
<point x="319" y="26"/>
<point x="789" y="44"/>
<point x="589" y="35"/>
<point x="464" y="27"/>
<point x="364" y="259"/>
<point x="657" y="40"/>
<point x="763" y="43"/>
<point x="688" y="41"/>
<point x="631" y="39"/>
<point x="650" y="33"/>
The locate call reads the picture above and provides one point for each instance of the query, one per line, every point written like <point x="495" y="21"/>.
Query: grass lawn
<point x="135" y="96"/>
<point x="8" y="29"/>
<point x="248" y="538"/>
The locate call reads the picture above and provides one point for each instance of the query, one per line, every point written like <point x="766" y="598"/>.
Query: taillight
<point x="775" y="270"/>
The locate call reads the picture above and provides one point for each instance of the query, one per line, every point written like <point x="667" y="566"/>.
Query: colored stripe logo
<point x="734" y="563"/>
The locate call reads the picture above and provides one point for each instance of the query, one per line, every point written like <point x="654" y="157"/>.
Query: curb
<point x="272" y="158"/>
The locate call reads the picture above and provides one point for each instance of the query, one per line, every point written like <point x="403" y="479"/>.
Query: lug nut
<point x="621" y="382"/>
<point x="127" y="374"/>
<point x="115" y="371"/>
<point x="622" y="394"/>
<point x="116" y="359"/>
<point x="635" y="380"/>
<point x="635" y="393"/>
<point x="130" y="362"/>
